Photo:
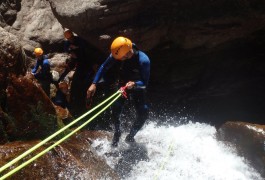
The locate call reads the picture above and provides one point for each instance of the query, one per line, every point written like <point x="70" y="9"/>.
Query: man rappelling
<point x="131" y="69"/>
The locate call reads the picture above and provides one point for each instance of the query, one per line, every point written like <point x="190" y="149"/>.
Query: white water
<point x="185" y="152"/>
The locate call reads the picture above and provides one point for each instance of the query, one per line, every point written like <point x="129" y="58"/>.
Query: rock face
<point x="249" y="139"/>
<point x="151" y="23"/>
<point x="74" y="159"/>
<point x="11" y="55"/>
<point x="9" y="10"/>
<point x="33" y="23"/>
<point x="26" y="112"/>
<point x="32" y="110"/>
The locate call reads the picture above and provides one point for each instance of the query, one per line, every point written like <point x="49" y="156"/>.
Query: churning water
<point x="184" y="152"/>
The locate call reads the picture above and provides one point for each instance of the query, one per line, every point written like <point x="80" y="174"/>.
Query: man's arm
<point x="103" y="68"/>
<point x="144" y="70"/>
<point x="36" y="67"/>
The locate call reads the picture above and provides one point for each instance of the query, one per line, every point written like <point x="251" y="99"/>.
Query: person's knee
<point x="144" y="111"/>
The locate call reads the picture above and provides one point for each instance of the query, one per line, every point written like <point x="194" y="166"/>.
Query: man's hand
<point x="130" y="84"/>
<point x="91" y="91"/>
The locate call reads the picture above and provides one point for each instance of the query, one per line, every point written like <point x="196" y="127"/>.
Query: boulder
<point x="249" y="140"/>
<point x="74" y="159"/>
<point x="32" y="111"/>
<point x="149" y="23"/>
<point x="8" y="9"/>
<point x="33" y="22"/>
<point x="26" y="112"/>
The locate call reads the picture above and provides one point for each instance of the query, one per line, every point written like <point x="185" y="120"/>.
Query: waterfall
<point x="182" y="151"/>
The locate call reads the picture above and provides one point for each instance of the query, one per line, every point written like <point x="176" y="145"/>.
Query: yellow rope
<point x="55" y="134"/>
<point x="58" y="142"/>
<point x="166" y="160"/>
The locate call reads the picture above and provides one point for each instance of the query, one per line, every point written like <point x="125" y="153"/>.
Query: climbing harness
<point x="115" y="96"/>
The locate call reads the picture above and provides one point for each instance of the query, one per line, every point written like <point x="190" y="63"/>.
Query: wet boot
<point x="116" y="138"/>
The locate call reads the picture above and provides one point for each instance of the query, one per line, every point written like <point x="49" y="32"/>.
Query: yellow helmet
<point x="120" y="47"/>
<point x="38" y="51"/>
<point x="68" y="34"/>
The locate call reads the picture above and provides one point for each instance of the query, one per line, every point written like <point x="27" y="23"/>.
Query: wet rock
<point x="33" y="23"/>
<point x="26" y="111"/>
<point x="31" y="109"/>
<point x="74" y="159"/>
<point x="9" y="9"/>
<point x="249" y="140"/>
<point x="151" y="23"/>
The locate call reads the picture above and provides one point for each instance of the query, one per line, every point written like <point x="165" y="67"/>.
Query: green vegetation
<point x="40" y="123"/>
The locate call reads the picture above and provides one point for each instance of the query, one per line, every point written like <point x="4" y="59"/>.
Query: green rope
<point x="58" y="142"/>
<point x="55" y="134"/>
<point x="166" y="159"/>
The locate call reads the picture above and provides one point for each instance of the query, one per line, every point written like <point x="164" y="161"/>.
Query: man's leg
<point x="45" y="85"/>
<point x="142" y="111"/>
<point x="116" y="112"/>
<point x="77" y="104"/>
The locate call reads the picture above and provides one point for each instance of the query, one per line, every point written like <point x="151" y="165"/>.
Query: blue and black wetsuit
<point x="43" y="75"/>
<point x="44" y="72"/>
<point x="136" y="69"/>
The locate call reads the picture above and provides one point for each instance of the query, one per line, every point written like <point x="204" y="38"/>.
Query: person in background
<point x="130" y="68"/>
<point x="43" y="75"/>
<point x="83" y="66"/>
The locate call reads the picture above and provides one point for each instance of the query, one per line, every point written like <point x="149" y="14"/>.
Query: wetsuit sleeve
<point x="103" y="69"/>
<point x="36" y="67"/>
<point x="144" y="70"/>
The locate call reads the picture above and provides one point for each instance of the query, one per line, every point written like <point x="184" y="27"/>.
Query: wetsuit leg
<point x="116" y="109"/>
<point x="142" y="111"/>
<point x="45" y="84"/>
<point x="77" y="104"/>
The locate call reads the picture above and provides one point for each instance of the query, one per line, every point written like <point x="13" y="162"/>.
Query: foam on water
<point x="184" y="152"/>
